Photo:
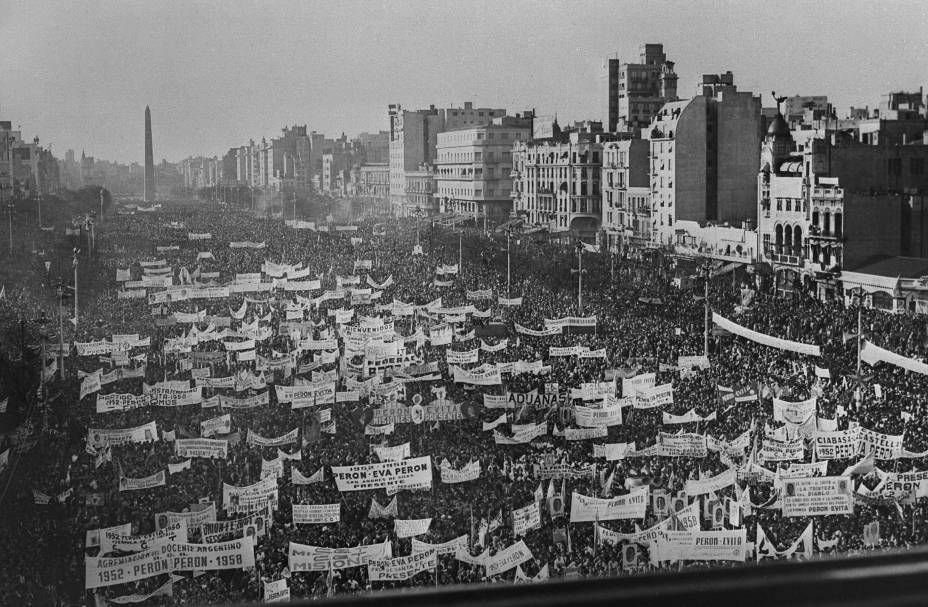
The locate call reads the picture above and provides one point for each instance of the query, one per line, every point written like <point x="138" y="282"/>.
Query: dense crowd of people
<point x="57" y="486"/>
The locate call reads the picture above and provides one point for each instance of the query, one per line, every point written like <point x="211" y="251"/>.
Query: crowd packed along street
<point x="645" y="327"/>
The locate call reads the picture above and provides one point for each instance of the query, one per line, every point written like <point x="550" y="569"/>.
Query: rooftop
<point x="903" y="267"/>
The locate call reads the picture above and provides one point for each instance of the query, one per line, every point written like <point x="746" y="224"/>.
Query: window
<point x="917" y="166"/>
<point x="894" y="167"/>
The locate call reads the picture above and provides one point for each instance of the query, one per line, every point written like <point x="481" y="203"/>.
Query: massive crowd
<point x="57" y="485"/>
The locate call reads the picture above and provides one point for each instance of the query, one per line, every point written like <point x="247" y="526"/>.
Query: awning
<point x="511" y="223"/>
<point x="730" y="267"/>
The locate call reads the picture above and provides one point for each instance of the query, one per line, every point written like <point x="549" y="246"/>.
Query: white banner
<point x="459" y="358"/>
<point x="411" y="527"/>
<point x="766" y="340"/>
<point x="449" y="547"/>
<point x="316" y="514"/>
<point x="216" y="425"/>
<point x="393" y="454"/>
<point x="111" y="540"/>
<point x="104" y="437"/>
<point x="609" y="415"/>
<point x="409" y="472"/>
<point x="818" y="496"/>
<point x="401" y="568"/>
<point x="201" y="447"/>
<point x="842" y="444"/>
<point x="525" y="519"/>
<point x="135" y="484"/>
<point x="287" y="439"/>
<point x="470" y="472"/>
<point x="715" y="483"/>
<point x="489" y="377"/>
<point x="302" y="557"/>
<point x="585" y="509"/>
<point x="682" y="445"/>
<point x="504" y="560"/>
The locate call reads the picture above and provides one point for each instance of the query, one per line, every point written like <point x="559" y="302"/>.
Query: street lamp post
<point x="77" y="252"/>
<point x="10" y="207"/>
<point x="43" y="333"/>
<point x="460" y="248"/>
<point x="508" y="266"/>
<point x="101" y="204"/>
<point x="579" y="276"/>
<point x="60" y="330"/>
<point x="707" y="274"/>
<point x="39" y="203"/>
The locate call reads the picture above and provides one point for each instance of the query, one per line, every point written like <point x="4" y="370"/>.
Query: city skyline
<point x="337" y="67"/>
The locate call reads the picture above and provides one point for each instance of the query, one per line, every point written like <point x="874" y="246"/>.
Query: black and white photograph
<point x="497" y="303"/>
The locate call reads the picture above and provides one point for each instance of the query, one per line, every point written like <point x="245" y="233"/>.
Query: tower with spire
<point x="149" y="186"/>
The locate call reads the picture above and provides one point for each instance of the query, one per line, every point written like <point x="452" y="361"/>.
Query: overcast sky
<point x="79" y="74"/>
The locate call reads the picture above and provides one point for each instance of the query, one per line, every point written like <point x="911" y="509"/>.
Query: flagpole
<point x="859" y="324"/>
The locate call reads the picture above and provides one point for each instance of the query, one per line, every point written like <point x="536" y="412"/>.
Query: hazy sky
<point x="79" y="74"/>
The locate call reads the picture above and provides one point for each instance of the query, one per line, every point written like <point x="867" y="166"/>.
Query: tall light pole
<point x="508" y="266"/>
<point x="10" y="208"/>
<point x="39" y="203"/>
<point x="77" y="252"/>
<point x="418" y="216"/>
<point x="60" y="330"/>
<point x="101" y="204"/>
<point x="579" y="276"/>
<point x="707" y="274"/>
<point x="43" y="333"/>
<point x="460" y="249"/>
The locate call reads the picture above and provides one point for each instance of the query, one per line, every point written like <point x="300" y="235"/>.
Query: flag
<point x="846" y="337"/>
<point x="539" y="493"/>
<point x="864" y="466"/>
<point x="3" y="292"/>
<point x="607" y="486"/>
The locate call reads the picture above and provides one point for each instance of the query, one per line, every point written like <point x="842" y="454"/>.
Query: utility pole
<point x="508" y="274"/>
<point x="74" y="263"/>
<point x="10" y="207"/>
<point x="43" y="333"/>
<point x="60" y="331"/>
<point x="707" y="273"/>
<point x="579" y="276"/>
<point x="460" y="238"/>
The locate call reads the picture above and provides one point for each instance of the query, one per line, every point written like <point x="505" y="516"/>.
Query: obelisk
<point x="149" y="191"/>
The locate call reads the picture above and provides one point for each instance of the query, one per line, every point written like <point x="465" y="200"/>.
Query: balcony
<point x="825" y="236"/>
<point x="783" y="258"/>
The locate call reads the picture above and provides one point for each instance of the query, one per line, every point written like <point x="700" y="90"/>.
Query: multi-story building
<point x="374" y="184"/>
<point x="833" y="202"/>
<point x="335" y="166"/>
<point x="420" y="192"/>
<point x="414" y="138"/>
<point x="636" y="91"/>
<point x="557" y="179"/>
<point x="626" y="195"/>
<point x="702" y="158"/>
<point x="373" y="147"/>
<point x="474" y="171"/>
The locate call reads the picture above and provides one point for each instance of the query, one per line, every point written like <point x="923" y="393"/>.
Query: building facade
<point x="626" y="195"/>
<point x="414" y="138"/>
<point x="557" y="180"/>
<point x="636" y="91"/>
<point x="832" y="203"/>
<point x="473" y="169"/>
<point x="703" y="165"/>
<point x="420" y="192"/>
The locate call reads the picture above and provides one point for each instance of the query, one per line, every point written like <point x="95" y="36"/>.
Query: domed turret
<point x="778" y="127"/>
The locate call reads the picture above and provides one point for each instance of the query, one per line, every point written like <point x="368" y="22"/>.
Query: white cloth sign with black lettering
<point x="411" y="527"/>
